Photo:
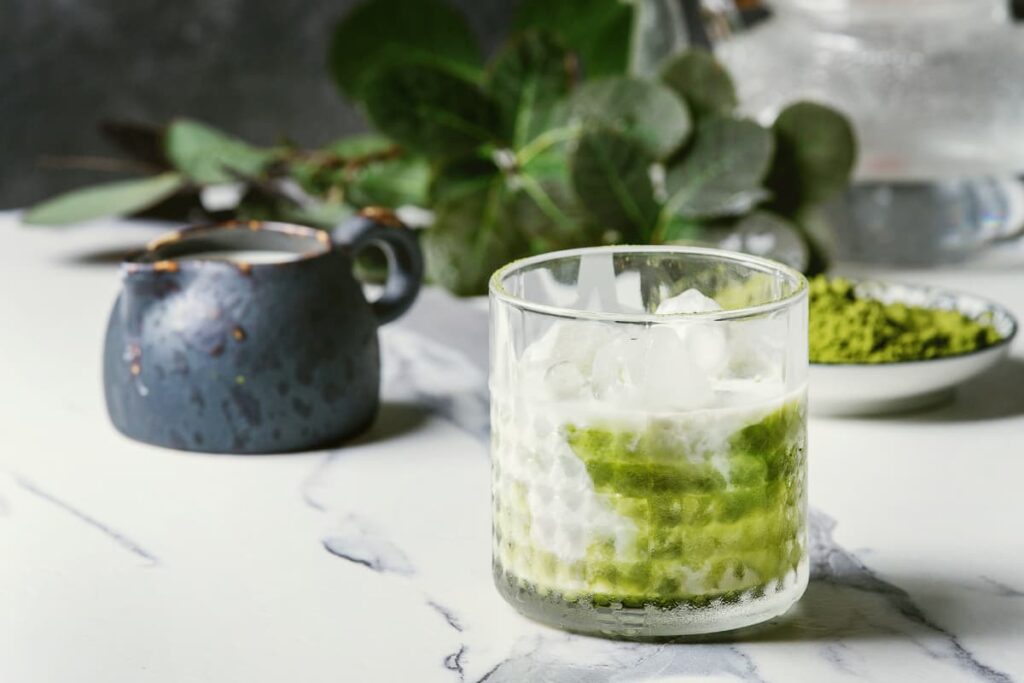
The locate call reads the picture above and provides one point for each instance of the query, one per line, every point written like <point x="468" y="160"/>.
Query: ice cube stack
<point x="679" y="365"/>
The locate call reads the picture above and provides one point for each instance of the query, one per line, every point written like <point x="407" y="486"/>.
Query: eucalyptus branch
<point x="660" y="226"/>
<point x="491" y="213"/>
<point x="553" y="119"/>
<point x="544" y="202"/>
<point x="545" y="141"/>
<point x="94" y="163"/>
<point x="328" y="160"/>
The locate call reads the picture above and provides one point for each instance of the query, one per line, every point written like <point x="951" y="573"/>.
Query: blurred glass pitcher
<point x="935" y="93"/>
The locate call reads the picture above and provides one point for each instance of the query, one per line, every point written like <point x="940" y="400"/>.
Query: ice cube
<point x="707" y="344"/>
<point x="690" y="301"/>
<point x="650" y="368"/>
<point x="618" y="368"/>
<point x="673" y="379"/>
<point x="558" y="364"/>
<point x="573" y="342"/>
<point x="565" y="380"/>
<point x="758" y="350"/>
<point x="668" y="366"/>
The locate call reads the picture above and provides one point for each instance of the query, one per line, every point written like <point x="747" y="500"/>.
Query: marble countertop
<point x="371" y="562"/>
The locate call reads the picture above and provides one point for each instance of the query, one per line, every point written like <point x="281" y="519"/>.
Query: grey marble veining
<point x="119" y="538"/>
<point x="847" y="605"/>
<point x="833" y="565"/>
<point x="1001" y="589"/>
<point x="356" y="540"/>
<point x="371" y="562"/>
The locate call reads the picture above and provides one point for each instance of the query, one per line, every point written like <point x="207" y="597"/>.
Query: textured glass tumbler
<point x="649" y="439"/>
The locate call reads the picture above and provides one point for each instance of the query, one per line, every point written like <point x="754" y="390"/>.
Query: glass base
<point x="583" y="615"/>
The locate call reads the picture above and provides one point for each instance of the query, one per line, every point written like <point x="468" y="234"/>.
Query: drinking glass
<point x="649" y="439"/>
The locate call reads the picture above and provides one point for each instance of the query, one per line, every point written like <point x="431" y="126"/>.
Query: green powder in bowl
<point x="848" y="328"/>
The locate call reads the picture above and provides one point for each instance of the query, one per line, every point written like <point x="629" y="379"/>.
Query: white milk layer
<point x="242" y="256"/>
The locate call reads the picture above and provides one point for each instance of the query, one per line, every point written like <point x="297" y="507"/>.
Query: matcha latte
<point x="662" y="512"/>
<point x="649" y="465"/>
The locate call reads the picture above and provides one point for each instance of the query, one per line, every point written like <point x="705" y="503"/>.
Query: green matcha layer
<point x="712" y="522"/>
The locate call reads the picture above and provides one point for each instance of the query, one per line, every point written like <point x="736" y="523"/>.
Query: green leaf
<point x="546" y="209"/>
<point x="119" y="198"/>
<point x="525" y="79"/>
<point x="760" y="233"/>
<point x="472" y="235"/>
<point x="597" y="30"/>
<point x="431" y="110"/>
<point x="362" y="145"/>
<point x="462" y="177"/>
<point x="486" y="217"/>
<point x="391" y="183"/>
<point x="380" y="33"/>
<point x="314" y="178"/>
<point x="552" y="133"/>
<point x="721" y="175"/>
<point x="815" y="154"/>
<point x="611" y="176"/>
<point x="208" y="156"/>
<point x="763" y="233"/>
<point x="324" y="215"/>
<point x="679" y="230"/>
<point x="705" y="85"/>
<point x="648" y="111"/>
<point x="370" y="170"/>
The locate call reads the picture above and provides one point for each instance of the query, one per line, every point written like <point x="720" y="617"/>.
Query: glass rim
<point x="497" y="290"/>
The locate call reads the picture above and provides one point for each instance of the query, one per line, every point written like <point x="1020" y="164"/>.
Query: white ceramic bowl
<point x="880" y="388"/>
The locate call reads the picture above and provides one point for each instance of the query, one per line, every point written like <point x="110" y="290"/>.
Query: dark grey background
<point x="253" y="67"/>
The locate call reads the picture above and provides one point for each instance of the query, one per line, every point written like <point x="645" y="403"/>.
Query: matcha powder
<point x="848" y="329"/>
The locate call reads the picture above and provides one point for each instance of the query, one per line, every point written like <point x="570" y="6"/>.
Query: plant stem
<point x="543" y="142"/>
<point x="658" y="234"/>
<point x="544" y="202"/>
<point x="660" y="29"/>
<point x="91" y="163"/>
<point x="488" y="220"/>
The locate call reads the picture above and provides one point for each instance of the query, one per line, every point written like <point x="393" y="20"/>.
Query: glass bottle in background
<point x="935" y="93"/>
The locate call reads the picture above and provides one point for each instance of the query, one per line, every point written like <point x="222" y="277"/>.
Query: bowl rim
<point x="932" y="290"/>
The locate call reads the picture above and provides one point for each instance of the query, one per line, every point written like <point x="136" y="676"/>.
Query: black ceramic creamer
<point x="253" y="337"/>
